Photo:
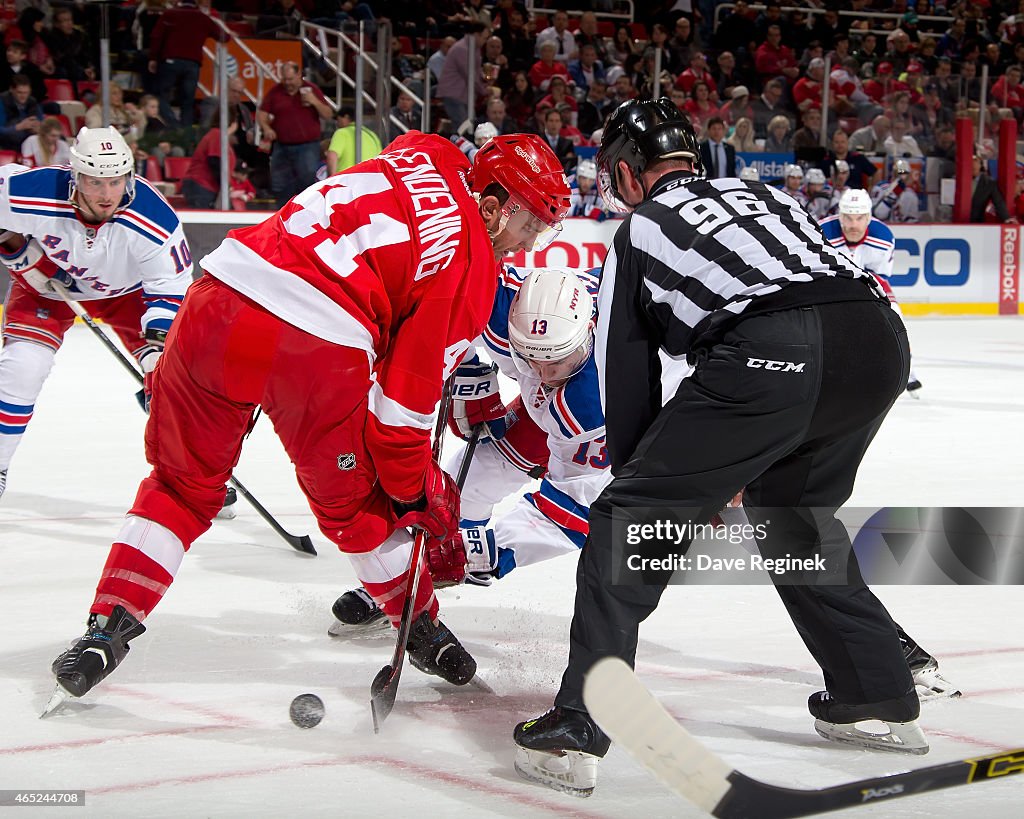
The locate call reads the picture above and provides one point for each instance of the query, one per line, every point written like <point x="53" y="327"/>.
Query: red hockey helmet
<point x="526" y="167"/>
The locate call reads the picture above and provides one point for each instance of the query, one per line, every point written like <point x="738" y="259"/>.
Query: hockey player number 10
<point x="318" y="202"/>
<point x="707" y="215"/>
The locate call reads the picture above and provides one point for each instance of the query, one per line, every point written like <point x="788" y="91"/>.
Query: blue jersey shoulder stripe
<point x="150" y="205"/>
<point x="51" y="183"/>
<point x="579" y="406"/>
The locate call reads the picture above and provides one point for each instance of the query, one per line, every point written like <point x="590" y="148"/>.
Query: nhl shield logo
<point x="347" y="461"/>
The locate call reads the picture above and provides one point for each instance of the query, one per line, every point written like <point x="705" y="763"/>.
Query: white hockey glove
<point x="30" y="265"/>
<point x="470" y="556"/>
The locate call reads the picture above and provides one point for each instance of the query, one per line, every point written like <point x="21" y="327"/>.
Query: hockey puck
<point x="306" y="710"/>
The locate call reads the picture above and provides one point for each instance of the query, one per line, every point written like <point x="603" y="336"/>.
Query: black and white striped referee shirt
<point x="695" y="256"/>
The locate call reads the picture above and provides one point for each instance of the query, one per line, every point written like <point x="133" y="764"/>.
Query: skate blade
<point x="902" y="737"/>
<point x="480" y="683"/>
<point x="572" y="772"/>
<point x="57" y="699"/>
<point x="380" y="627"/>
<point x="931" y="685"/>
<point x="226" y="513"/>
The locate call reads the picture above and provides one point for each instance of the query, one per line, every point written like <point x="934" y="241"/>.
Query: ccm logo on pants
<point x="783" y="366"/>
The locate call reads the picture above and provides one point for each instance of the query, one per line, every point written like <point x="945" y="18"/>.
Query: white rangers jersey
<point x="553" y="519"/>
<point x="142" y="248"/>
<point x="874" y="253"/>
<point x="894" y="202"/>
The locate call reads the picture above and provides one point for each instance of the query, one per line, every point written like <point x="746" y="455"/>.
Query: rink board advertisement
<point x="940" y="269"/>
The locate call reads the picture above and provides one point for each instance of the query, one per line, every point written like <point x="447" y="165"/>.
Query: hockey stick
<point x="300" y="544"/>
<point x="384" y="688"/>
<point x="632" y="717"/>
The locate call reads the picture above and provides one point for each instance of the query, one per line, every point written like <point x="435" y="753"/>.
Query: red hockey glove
<point x="470" y="556"/>
<point x="447" y="561"/>
<point x="148" y="358"/>
<point x="437" y="512"/>
<point x="29" y="265"/>
<point x="476" y="400"/>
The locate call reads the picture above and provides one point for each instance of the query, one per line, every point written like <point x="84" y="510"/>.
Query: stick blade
<point x="302" y="544"/>
<point x="382" y="695"/>
<point x="633" y="718"/>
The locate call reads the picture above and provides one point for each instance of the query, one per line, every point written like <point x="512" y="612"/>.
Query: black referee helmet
<point x="639" y="132"/>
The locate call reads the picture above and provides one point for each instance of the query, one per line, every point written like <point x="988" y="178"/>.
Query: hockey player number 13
<point x="318" y="202"/>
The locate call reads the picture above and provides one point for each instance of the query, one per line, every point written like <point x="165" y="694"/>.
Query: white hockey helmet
<point x="587" y="169"/>
<point x="815" y="176"/>
<point x="750" y="174"/>
<point x="842" y="166"/>
<point x="550" y="325"/>
<point x="901" y="166"/>
<point x="855" y="202"/>
<point x="102" y="152"/>
<point x="794" y="170"/>
<point x="484" y="131"/>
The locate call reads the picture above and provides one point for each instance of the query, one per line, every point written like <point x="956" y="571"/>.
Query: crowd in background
<point x="752" y="79"/>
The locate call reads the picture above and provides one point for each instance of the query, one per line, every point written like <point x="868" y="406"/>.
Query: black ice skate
<point x="930" y="684"/>
<point x="913" y="385"/>
<point x="561" y="750"/>
<point x="227" y="511"/>
<point x="433" y="649"/>
<point x="357" y="615"/>
<point x="98" y="653"/>
<point x="3" y="481"/>
<point x="838" y="721"/>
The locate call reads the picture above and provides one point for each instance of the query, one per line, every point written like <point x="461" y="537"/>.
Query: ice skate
<point x="842" y="723"/>
<point x="97" y="653"/>
<point x="356" y="615"/>
<point x="913" y="387"/>
<point x="930" y="684"/>
<point x="561" y="749"/>
<point x="433" y="649"/>
<point x="227" y="511"/>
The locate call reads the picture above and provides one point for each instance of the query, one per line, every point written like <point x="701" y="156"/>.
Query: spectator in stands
<point x="175" y="53"/>
<point x="926" y="55"/>
<point x="20" y="114"/>
<point x="17" y="64"/>
<point x="280" y="18"/>
<point x="898" y="51"/>
<point x="863" y="173"/>
<point x="742" y="137"/>
<point x="289" y="116"/>
<point x="840" y="50"/>
<point x="436" y="60"/>
<point x="341" y="150"/>
<point x="736" y="31"/>
<point x="951" y="43"/>
<point x="902" y="109"/>
<point x="404" y="110"/>
<point x="517" y="41"/>
<point x="738" y="106"/>
<point x="970" y="84"/>
<point x="623" y="90"/>
<point x="201" y="184"/>
<point x="72" y="49"/>
<point x="680" y="46"/>
<point x="770" y="16"/>
<point x="495" y="66"/>
<point x="700" y="106"/>
<point x="496" y="114"/>
<point x="900" y="143"/>
<point x="587" y="35"/>
<point x="587" y="68"/>
<point x="768" y="106"/>
<point x="727" y="76"/>
<point x="871" y="138"/>
<point x="453" y="87"/>
<point x="562" y="146"/>
<point x="127" y="117"/>
<point x="846" y="92"/>
<point x="47" y="147"/>
<point x="945" y="145"/>
<point x="867" y="53"/>
<point x="521" y="101"/>
<point x="809" y="134"/>
<point x="32" y="22"/>
<point x="546" y="67"/>
<point x="697" y="72"/>
<point x="807" y="90"/>
<point x="1007" y="91"/>
<point x="779" y="139"/>
<point x="773" y="59"/>
<point x="623" y="46"/>
<point x="719" y="156"/>
<point x="594" y="109"/>
<point x="558" y="97"/>
<point x="559" y="34"/>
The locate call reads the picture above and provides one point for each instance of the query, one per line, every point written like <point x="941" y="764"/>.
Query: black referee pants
<point x="794" y="437"/>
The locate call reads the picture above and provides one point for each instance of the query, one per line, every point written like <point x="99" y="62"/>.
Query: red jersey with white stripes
<point x="392" y="257"/>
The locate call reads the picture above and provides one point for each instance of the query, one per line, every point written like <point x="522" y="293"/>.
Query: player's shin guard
<point x="384" y="574"/>
<point x="139" y="569"/>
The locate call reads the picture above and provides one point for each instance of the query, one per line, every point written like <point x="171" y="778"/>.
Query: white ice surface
<point x="195" y="722"/>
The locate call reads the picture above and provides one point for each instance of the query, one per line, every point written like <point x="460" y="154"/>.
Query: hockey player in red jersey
<point x="341" y="315"/>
